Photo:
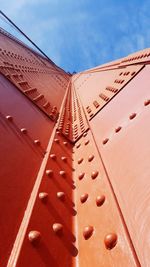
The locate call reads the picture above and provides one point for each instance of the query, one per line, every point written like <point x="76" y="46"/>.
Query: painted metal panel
<point x="100" y="87"/>
<point x="53" y="213"/>
<point x="100" y="230"/>
<point x="72" y="123"/>
<point x="122" y="131"/>
<point x="142" y="57"/>
<point x="84" y="199"/>
<point x="24" y="133"/>
<point x="41" y="81"/>
<point x="60" y="230"/>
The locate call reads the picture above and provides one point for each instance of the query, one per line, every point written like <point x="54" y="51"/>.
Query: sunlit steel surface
<point x="74" y="176"/>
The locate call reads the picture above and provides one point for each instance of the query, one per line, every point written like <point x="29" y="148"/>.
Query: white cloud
<point x="81" y="34"/>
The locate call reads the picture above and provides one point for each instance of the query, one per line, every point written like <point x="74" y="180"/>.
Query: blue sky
<point x="78" y="35"/>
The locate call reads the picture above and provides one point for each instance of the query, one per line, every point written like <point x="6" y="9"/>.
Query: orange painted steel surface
<point x="33" y="75"/>
<point x="107" y="244"/>
<point x="53" y="214"/>
<point x="105" y="85"/>
<point x="74" y="176"/>
<point x="130" y="172"/>
<point x="21" y="127"/>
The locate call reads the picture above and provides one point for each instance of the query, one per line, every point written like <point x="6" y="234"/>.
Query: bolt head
<point x="85" y="134"/>
<point x="53" y="156"/>
<point x="61" y="195"/>
<point x="58" y="228"/>
<point x="49" y="173"/>
<point x="80" y="160"/>
<point x="62" y="173"/>
<point x="78" y="145"/>
<point x="100" y="200"/>
<point x="43" y="196"/>
<point x="34" y="237"/>
<point x="147" y="102"/>
<point x="64" y="159"/>
<point x="9" y="118"/>
<point x="56" y="140"/>
<point x="37" y="142"/>
<point x="84" y="198"/>
<point x="132" y="116"/>
<point x="90" y="158"/>
<point x="86" y="142"/>
<point x="65" y="143"/>
<point x="88" y="231"/>
<point x="118" y="129"/>
<point x="94" y="174"/>
<point x="110" y="240"/>
<point x="24" y="130"/>
<point x="105" y="141"/>
<point x="81" y="175"/>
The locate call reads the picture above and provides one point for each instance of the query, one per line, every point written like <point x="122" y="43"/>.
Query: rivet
<point x="118" y="129"/>
<point x="62" y="173"/>
<point x="65" y="143"/>
<point x="37" y="142"/>
<point x="85" y="134"/>
<point x="61" y="195"/>
<point x="133" y="73"/>
<point x="24" y="130"/>
<point x="58" y="228"/>
<point x="53" y="156"/>
<point x="132" y="116"/>
<point x="147" y="102"/>
<point x="90" y="158"/>
<point x="49" y="173"/>
<point x="81" y="175"/>
<point x="94" y="174"/>
<point x="110" y="240"/>
<point x="43" y="196"/>
<point x="80" y="160"/>
<point x="9" y="118"/>
<point x="78" y="145"/>
<point x="88" y="231"/>
<point x="84" y="197"/>
<point x="60" y="128"/>
<point x="64" y="159"/>
<point x="100" y="200"/>
<point x="56" y="140"/>
<point x="105" y="141"/>
<point x="34" y="237"/>
<point x="86" y="142"/>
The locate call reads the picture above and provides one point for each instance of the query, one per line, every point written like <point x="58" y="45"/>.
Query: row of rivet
<point x="23" y="130"/>
<point x="131" y="117"/>
<point x="99" y="199"/>
<point x="24" y="85"/>
<point x="9" y="72"/>
<point x="78" y="130"/>
<point x="25" y="68"/>
<point x="140" y="56"/>
<point x="110" y="239"/>
<point x="35" y="236"/>
<point x="103" y="95"/>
